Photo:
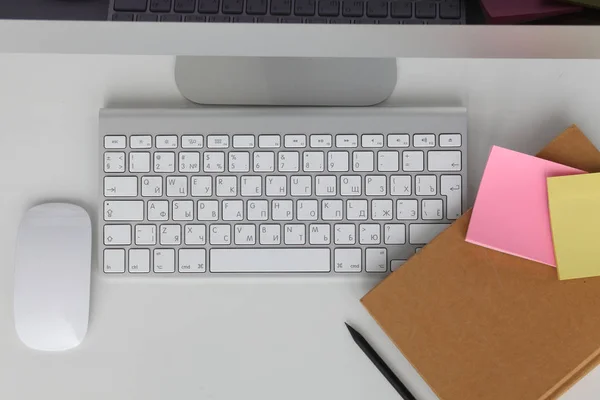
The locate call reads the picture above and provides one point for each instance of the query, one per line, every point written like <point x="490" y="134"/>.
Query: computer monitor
<point x="294" y="61"/>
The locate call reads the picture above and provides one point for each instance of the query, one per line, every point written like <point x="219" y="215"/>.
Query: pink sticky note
<point x="511" y="212"/>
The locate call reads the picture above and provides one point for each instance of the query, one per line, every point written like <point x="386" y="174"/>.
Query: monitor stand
<point x="285" y="81"/>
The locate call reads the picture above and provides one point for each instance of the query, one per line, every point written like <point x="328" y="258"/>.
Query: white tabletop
<point x="232" y="339"/>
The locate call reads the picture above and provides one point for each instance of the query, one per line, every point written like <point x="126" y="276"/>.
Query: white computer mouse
<point x="52" y="276"/>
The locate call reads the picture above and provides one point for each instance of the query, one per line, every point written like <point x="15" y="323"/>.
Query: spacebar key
<point x="269" y="260"/>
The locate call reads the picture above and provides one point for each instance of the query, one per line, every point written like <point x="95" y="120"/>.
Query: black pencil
<point x="380" y="364"/>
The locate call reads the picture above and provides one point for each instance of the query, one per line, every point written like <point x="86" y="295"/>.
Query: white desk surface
<point x="232" y="339"/>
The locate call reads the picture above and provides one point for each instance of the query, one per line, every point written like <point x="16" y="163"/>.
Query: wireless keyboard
<point x="288" y="11"/>
<point x="283" y="191"/>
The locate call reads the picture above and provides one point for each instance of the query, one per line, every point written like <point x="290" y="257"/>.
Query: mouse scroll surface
<point x="52" y="277"/>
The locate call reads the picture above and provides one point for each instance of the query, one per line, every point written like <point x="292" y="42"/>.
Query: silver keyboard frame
<point x="254" y="120"/>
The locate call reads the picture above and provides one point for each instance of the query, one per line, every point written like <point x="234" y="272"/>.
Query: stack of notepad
<point x="539" y="210"/>
<point x="483" y="324"/>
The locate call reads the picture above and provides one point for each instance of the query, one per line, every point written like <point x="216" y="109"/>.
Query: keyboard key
<point x="146" y="18"/>
<point x="243" y="141"/>
<point x="214" y="161"/>
<point x="413" y="161"/>
<point x="158" y="210"/>
<point x="289" y="161"/>
<point x="164" y="260"/>
<point x="424" y="233"/>
<point x="376" y="260"/>
<point x="233" y="6"/>
<point x="152" y="186"/>
<point x="117" y="235"/>
<point x="239" y="161"/>
<point x="307" y="210"/>
<point x="413" y="22"/>
<point x="267" y="19"/>
<point x="258" y="210"/>
<point x="251" y="186"/>
<point x="400" y="185"/>
<point x="353" y="8"/>
<point x="377" y="8"/>
<point x="195" y="18"/>
<point x="320" y="234"/>
<point x="170" y="234"/>
<point x="281" y="7"/>
<point x="139" y="162"/>
<point x="233" y="210"/>
<point x="192" y="260"/>
<point x="304" y="7"/>
<point x="185" y="6"/>
<point x="406" y="210"/>
<point x="130" y="5"/>
<point x="326" y="185"/>
<point x="290" y="20"/>
<point x="160" y="5"/>
<point x="394" y="234"/>
<point x="124" y="17"/>
<point x="115" y="142"/>
<point x="424" y="140"/>
<point x="114" y="261"/>
<point x="398" y="140"/>
<point x="369" y="234"/>
<point x="425" y="9"/>
<point x="450" y="10"/>
<point x="346" y="140"/>
<point x="276" y="186"/>
<point x="375" y="185"/>
<point x="451" y="187"/>
<point x="364" y="21"/>
<point x="256" y="7"/>
<point x="183" y="210"/>
<point x="315" y="20"/>
<point x="344" y="234"/>
<point x="294" y="234"/>
<point x="372" y="140"/>
<point x="264" y="161"/>
<point x="208" y="6"/>
<point x="189" y="162"/>
<point x="269" y="260"/>
<point x="395" y="264"/>
<point x="331" y="210"/>
<point x="195" y="235"/>
<point x="139" y="261"/>
<point x="450" y="140"/>
<point x="338" y="161"/>
<point x="356" y="210"/>
<point x="401" y="9"/>
<point x="201" y="186"/>
<point x="329" y="8"/>
<point x="226" y="186"/>
<point x="145" y="235"/>
<point x="431" y="209"/>
<point x="362" y="161"/>
<point x="140" y="142"/>
<point x="270" y="234"/>
<point x="426" y="185"/>
<point x="114" y="162"/>
<point x="347" y="260"/>
<point x="164" y="162"/>
<point x="269" y="141"/>
<point x="320" y="141"/>
<point x="388" y="161"/>
<point x="217" y="142"/>
<point x="342" y="21"/>
<point x="444" y="161"/>
<point x="313" y="161"/>
<point x="220" y="234"/>
<point x="381" y="210"/>
<point x="121" y="186"/>
<point x="218" y="18"/>
<point x="243" y="19"/>
<point x="192" y="141"/>
<point x="115" y="210"/>
<point x="350" y="185"/>
<point x="295" y="141"/>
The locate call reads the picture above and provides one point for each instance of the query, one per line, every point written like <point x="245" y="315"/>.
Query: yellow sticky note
<point x="574" y="203"/>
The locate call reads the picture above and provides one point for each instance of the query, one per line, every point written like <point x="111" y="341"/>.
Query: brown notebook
<point x="483" y="325"/>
